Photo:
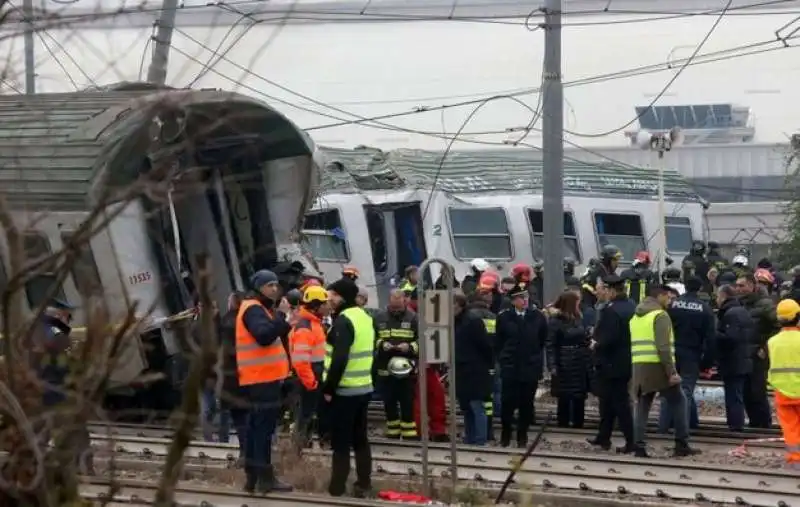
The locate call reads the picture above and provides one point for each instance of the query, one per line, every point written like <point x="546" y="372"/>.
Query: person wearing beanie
<point x="347" y="387"/>
<point x="694" y="327"/>
<point x="263" y="365"/>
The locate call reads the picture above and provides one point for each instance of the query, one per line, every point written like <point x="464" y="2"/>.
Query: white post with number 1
<point x="436" y="346"/>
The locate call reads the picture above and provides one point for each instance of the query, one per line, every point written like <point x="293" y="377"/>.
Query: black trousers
<point x="756" y="401"/>
<point x="615" y="405"/>
<point x="398" y="404"/>
<point x="349" y="431"/>
<point x="570" y="411"/>
<point x="516" y="396"/>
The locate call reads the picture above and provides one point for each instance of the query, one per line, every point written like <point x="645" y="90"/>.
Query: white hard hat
<point x="479" y="264"/>
<point x="400" y="367"/>
<point x="740" y="260"/>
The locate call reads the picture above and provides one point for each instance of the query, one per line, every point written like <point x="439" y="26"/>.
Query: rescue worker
<point x="715" y="258"/>
<point x="695" y="264"/>
<point x="470" y="282"/>
<point x="474" y="362"/>
<point x="570" y="280"/>
<point x="410" y="278"/>
<point x="638" y="277"/>
<point x="612" y="356"/>
<point x="762" y="310"/>
<point x="694" y="327"/>
<point x="307" y="342"/>
<point x="396" y="329"/>
<point x="347" y="387"/>
<point x="437" y="405"/>
<point x="671" y="277"/>
<point x="51" y="346"/>
<point x="607" y="264"/>
<point x="351" y="273"/>
<point x="740" y="266"/>
<point x="480" y="307"/>
<point x="736" y="332"/>
<point x="263" y="365"/>
<point x="521" y="335"/>
<point x="784" y="376"/>
<point x="765" y="280"/>
<point x="654" y="372"/>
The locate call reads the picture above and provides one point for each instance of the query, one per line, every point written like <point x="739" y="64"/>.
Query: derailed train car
<point x="176" y="173"/>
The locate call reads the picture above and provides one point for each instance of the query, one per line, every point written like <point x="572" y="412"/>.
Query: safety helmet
<point x="609" y="252"/>
<point x="569" y="265"/>
<point x="698" y="247"/>
<point x="488" y="281"/>
<point x="315" y="294"/>
<point x="522" y="270"/>
<point x="294" y="296"/>
<point x="787" y="310"/>
<point x="739" y="260"/>
<point x="350" y="271"/>
<point x="642" y="257"/>
<point x="671" y="274"/>
<point x="400" y="367"/>
<point x="479" y="265"/>
<point x="764" y="276"/>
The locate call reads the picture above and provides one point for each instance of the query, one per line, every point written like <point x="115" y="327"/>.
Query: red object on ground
<point x="395" y="496"/>
<point x="437" y="405"/>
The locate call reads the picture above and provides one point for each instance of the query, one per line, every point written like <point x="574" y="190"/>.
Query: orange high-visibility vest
<point x="257" y="364"/>
<point x="307" y="342"/>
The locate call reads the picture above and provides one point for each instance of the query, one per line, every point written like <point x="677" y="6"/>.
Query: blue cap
<point x="262" y="277"/>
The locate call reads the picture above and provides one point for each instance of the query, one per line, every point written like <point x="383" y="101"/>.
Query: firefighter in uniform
<point x="479" y="307"/>
<point x="397" y="338"/>
<point x="347" y="387"/>
<point x="638" y="278"/>
<point x="263" y="366"/>
<point x="610" y="256"/>
<point x="409" y="282"/>
<point x="307" y="342"/>
<point x="784" y="376"/>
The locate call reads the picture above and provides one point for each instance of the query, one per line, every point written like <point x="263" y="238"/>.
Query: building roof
<point x="54" y="148"/>
<point x="499" y="171"/>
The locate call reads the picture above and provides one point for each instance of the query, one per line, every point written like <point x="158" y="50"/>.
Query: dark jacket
<point x="473" y="357"/>
<point x="231" y="392"/>
<point x="694" y="327"/>
<point x="520" y="342"/>
<point x="480" y="310"/>
<point x="638" y="282"/>
<point x="762" y="310"/>
<point x="51" y="357"/>
<point x="394" y="328"/>
<point x="341" y="337"/>
<point x="264" y="327"/>
<point x="568" y="357"/>
<point x="735" y="339"/>
<point x="613" y="335"/>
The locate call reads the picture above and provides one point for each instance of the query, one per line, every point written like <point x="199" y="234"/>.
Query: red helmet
<point x="643" y="257"/>
<point x="489" y="281"/>
<point x="763" y="275"/>
<point x="523" y="272"/>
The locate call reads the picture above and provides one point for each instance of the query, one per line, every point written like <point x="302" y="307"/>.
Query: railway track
<point x="596" y="474"/>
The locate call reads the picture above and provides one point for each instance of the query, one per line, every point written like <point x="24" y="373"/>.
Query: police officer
<point x="397" y="337"/>
<point x="52" y="346"/>
<point x="638" y="277"/>
<point x="347" y="387"/>
<point x="694" y="327"/>
<point x="263" y="365"/>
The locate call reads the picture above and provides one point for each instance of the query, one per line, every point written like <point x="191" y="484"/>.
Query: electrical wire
<point x="215" y="52"/>
<point x="144" y="51"/>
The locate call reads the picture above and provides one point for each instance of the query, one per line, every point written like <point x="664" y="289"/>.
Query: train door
<point x="397" y="241"/>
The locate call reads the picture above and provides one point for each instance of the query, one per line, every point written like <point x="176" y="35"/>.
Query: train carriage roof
<point x="57" y="150"/>
<point x="495" y="170"/>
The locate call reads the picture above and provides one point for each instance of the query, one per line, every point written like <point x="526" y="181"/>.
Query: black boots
<point x="682" y="449"/>
<point x="251" y="479"/>
<point x="263" y="481"/>
<point x="340" y="469"/>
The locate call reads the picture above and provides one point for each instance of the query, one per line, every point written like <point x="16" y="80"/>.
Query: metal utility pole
<point x="553" y="146"/>
<point x="30" y="64"/>
<point x="157" y="72"/>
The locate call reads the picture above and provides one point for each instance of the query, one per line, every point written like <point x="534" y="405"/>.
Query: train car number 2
<point x="138" y="278"/>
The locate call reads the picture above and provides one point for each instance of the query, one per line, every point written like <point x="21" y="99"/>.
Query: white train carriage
<point x="382" y="211"/>
<point x="240" y="177"/>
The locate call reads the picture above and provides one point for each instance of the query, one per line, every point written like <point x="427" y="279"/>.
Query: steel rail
<point x="143" y="493"/>
<point x="678" y="480"/>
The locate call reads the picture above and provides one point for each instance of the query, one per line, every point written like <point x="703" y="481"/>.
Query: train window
<point x="84" y="270"/>
<point x="623" y="231"/>
<point x="324" y="236"/>
<point x="536" y="220"/>
<point x="480" y="233"/>
<point x="40" y="285"/>
<point x="679" y="234"/>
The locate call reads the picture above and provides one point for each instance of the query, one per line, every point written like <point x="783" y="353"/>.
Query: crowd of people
<point x="319" y="355"/>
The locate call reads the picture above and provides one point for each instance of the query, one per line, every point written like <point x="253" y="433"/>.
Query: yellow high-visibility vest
<point x="643" y="339"/>
<point x="784" y="357"/>
<point x="357" y="378"/>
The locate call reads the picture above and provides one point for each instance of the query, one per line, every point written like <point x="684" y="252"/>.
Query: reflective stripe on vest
<point x="784" y="357"/>
<point x="396" y="334"/>
<point x="257" y="364"/>
<point x="643" y="339"/>
<point x="491" y="326"/>
<point x="642" y="289"/>
<point x="357" y="377"/>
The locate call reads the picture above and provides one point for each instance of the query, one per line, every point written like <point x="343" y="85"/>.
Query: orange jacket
<point x="257" y="364"/>
<point x="307" y="343"/>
